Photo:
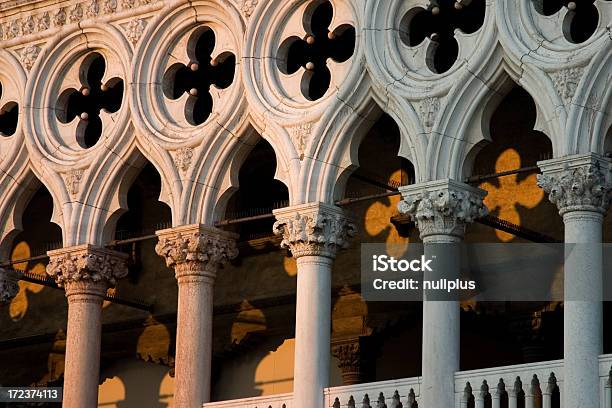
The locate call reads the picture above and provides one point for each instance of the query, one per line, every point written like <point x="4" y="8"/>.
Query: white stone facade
<point x="51" y="52"/>
<point x="45" y="43"/>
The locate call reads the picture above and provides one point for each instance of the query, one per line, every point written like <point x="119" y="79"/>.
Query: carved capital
<point x="9" y="285"/>
<point x="442" y="207"/>
<point x="196" y="250"/>
<point x="313" y="229"/>
<point x="577" y="183"/>
<point x="86" y="269"/>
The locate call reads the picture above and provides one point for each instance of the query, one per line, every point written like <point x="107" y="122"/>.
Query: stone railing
<point x="391" y="394"/>
<point x="269" y="401"/>
<point x="536" y="385"/>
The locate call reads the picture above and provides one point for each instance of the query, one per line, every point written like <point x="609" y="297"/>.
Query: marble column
<point x="441" y="210"/>
<point x="580" y="187"/>
<point x="314" y="233"/>
<point x="85" y="272"/>
<point x="195" y="252"/>
<point x="9" y="285"/>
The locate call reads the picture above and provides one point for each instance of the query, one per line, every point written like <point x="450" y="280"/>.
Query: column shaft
<point x="82" y="364"/>
<point x="196" y="253"/>
<point x="312" y="331"/>
<point x="581" y="186"/>
<point x="314" y="233"/>
<point x="193" y="341"/>
<point x="86" y="272"/>
<point x="583" y="318"/>
<point x="441" y="209"/>
<point x="441" y="327"/>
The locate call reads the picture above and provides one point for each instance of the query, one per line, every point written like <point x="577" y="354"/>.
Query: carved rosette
<point x="196" y="250"/>
<point x="9" y="285"/>
<point x="442" y="207"/>
<point x="86" y="269"/>
<point x="577" y="183"/>
<point x="313" y="229"/>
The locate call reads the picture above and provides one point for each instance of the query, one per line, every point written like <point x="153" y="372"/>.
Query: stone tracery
<point x="87" y="102"/>
<point x="439" y="22"/>
<point x="201" y="73"/>
<point x="312" y="52"/>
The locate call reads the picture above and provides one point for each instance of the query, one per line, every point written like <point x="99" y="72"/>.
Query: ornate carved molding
<point x="566" y="82"/>
<point x="442" y="207"/>
<point x="300" y="134"/>
<point x="9" y="286"/>
<point x="427" y="110"/>
<point x="182" y="158"/>
<point x="29" y="55"/>
<point x="577" y="183"/>
<point x="40" y="19"/>
<point x="196" y="250"/>
<point x="313" y="229"/>
<point x="247" y="7"/>
<point x="72" y="180"/>
<point x="86" y="269"/>
<point x="134" y="30"/>
<point x="349" y="356"/>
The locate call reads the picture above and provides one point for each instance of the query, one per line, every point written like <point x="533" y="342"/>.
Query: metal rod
<point x="118" y="242"/>
<point x="22" y="260"/>
<point x="375" y="182"/>
<point x="243" y="219"/>
<point x="346" y="201"/>
<point x="517" y="230"/>
<point x="48" y="282"/>
<point x="476" y="179"/>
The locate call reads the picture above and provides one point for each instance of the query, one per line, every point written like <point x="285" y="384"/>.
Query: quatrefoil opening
<point x="89" y="103"/>
<point x="438" y="22"/>
<point x="313" y="51"/>
<point x="9" y="115"/>
<point x="197" y="77"/>
<point x="580" y="21"/>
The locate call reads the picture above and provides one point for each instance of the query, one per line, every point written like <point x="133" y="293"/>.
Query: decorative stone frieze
<point x="9" y="286"/>
<point x="577" y="183"/>
<point x="442" y="207"/>
<point x="32" y="22"/>
<point x="315" y="229"/>
<point x="196" y="250"/>
<point x="86" y="268"/>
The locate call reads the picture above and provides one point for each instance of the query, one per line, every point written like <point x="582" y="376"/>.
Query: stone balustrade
<point x="529" y="385"/>
<point x="534" y="385"/>
<point x="269" y="401"/>
<point x="392" y="394"/>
